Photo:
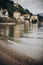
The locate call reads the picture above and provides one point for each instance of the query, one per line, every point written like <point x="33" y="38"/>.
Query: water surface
<point x="31" y="43"/>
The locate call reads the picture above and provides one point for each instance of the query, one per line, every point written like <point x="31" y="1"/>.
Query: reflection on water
<point x="31" y="43"/>
<point x="34" y="32"/>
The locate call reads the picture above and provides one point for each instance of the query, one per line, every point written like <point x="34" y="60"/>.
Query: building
<point x="3" y="13"/>
<point x="22" y="18"/>
<point x="6" y="13"/>
<point x="16" y="5"/>
<point x="16" y="14"/>
<point x="26" y="16"/>
<point x="33" y="17"/>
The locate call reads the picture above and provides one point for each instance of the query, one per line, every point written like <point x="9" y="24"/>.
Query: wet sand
<point x="9" y="56"/>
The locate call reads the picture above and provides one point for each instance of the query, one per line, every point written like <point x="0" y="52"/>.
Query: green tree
<point x="39" y="19"/>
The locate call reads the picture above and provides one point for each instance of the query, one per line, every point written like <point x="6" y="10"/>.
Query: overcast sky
<point x="35" y="6"/>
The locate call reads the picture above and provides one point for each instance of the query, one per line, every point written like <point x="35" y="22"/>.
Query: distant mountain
<point x="41" y="14"/>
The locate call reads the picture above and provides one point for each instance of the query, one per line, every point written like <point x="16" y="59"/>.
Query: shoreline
<point x="9" y="56"/>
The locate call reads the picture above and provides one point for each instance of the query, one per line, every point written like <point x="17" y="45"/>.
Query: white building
<point x="6" y="13"/>
<point x="16" y="14"/>
<point x="33" y="17"/>
<point x="16" y="5"/>
<point x="1" y="13"/>
<point x="22" y="18"/>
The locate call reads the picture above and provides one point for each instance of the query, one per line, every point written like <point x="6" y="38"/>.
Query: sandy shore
<point x="9" y="56"/>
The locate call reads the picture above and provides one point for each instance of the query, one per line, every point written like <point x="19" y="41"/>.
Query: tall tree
<point x="3" y="3"/>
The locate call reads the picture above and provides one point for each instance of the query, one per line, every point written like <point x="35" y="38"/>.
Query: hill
<point x="9" y="5"/>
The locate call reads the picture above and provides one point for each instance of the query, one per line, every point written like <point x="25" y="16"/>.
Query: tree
<point x="7" y="4"/>
<point x="3" y="3"/>
<point x="10" y="9"/>
<point x="40" y="20"/>
<point x="39" y="17"/>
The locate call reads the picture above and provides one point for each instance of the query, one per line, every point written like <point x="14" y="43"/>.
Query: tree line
<point x="8" y="4"/>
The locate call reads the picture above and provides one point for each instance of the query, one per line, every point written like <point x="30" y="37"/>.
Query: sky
<point x="34" y="6"/>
